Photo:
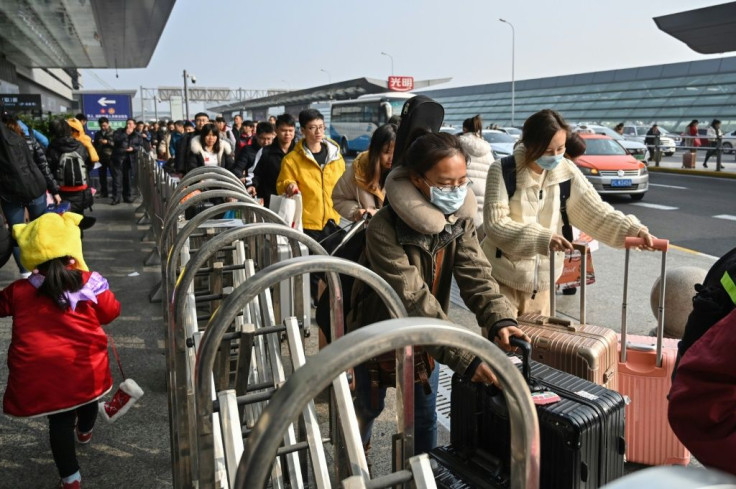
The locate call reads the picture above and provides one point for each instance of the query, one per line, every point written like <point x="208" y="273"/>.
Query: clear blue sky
<point x="285" y="45"/>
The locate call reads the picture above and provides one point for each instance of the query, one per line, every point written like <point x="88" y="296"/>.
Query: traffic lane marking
<point x="656" y="206"/>
<point x="727" y="217"/>
<point x="667" y="186"/>
<point x="693" y="252"/>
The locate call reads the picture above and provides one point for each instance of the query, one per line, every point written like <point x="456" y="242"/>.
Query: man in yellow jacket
<point x="313" y="169"/>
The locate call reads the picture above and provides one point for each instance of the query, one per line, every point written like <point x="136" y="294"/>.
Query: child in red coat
<point x="58" y="363"/>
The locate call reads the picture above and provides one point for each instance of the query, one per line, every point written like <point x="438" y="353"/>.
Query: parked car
<point x="638" y="133"/>
<point x="610" y="169"/>
<point x="636" y="149"/>
<point x="515" y="132"/>
<point x="502" y="143"/>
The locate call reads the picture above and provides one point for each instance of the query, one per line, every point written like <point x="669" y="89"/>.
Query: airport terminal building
<point x="671" y="95"/>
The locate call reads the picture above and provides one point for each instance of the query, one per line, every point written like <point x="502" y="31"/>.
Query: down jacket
<point x="403" y="244"/>
<point x="57" y="359"/>
<point x="480" y="161"/>
<point x="353" y="193"/>
<point x="196" y="155"/>
<point x="518" y="232"/>
<point x="315" y="183"/>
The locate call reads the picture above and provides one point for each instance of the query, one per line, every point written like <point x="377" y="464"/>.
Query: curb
<point x="683" y="171"/>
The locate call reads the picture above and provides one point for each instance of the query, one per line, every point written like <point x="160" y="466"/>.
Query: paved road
<point x="694" y="212"/>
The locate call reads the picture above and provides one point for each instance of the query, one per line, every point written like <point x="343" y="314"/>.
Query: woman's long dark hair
<point x="59" y="279"/>
<point x="539" y="129"/>
<point x="382" y="136"/>
<point x="210" y="129"/>
<point x="473" y="125"/>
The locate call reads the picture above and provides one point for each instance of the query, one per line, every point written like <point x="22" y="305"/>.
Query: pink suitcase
<point x="645" y="376"/>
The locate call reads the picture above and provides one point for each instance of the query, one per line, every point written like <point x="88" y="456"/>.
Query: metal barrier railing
<point x="721" y="146"/>
<point x="257" y="286"/>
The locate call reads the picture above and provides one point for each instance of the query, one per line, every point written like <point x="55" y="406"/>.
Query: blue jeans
<point x="425" y="414"/>
<point x="14" y="214"/>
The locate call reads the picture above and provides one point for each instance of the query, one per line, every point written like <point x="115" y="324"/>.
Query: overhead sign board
<point x="401" y="83"/>
<point x="16" y="103"/>
<point x="116" y="107"/>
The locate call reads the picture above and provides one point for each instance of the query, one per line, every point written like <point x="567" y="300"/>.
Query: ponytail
<point x="58" y="280"/>
<point x="473" y="125"/>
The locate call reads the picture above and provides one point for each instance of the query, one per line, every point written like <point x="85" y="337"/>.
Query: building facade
<point x="671" y="95"/>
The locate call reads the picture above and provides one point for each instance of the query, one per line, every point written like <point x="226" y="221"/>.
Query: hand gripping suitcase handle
<point x="660" y="245"/>
<point x="526" y="353"/>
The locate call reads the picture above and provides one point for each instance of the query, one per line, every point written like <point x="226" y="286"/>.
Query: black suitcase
<point x="467" y="469"/>
<point x="582" y="436"/>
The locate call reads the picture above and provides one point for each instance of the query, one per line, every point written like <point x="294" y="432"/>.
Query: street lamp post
<point x="329" y="78"/>
<point x="186" y="92"/>
<point x="392" y="61"/>
<point x="513" y="55"/>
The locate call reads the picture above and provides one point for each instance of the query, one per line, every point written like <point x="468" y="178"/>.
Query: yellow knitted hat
<point x="50" y="236"/>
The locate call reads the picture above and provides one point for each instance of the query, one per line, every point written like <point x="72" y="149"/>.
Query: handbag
<point x="125" y="396"/>
<point x="289" y="209"/>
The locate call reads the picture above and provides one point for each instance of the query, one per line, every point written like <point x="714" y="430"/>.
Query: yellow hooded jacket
<point x="81" y="136"/>
<point x="315" y="183"/>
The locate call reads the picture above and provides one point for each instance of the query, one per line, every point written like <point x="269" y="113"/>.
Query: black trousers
<point x="103" y="177"/>
<point x="62" y="436"/>
<point x="319" y="235"/>
<point x="116" y="171"/>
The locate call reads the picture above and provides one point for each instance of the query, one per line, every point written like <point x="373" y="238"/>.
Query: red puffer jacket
<point x="702" y="408"/>
<point x="57" y="359"/>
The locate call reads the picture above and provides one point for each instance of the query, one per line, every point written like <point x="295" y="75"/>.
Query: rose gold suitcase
<point x="587" y="351"/>
<point x="645" y="377"/>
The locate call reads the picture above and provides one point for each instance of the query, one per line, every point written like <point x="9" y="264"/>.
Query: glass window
<point x="605" y="147"/>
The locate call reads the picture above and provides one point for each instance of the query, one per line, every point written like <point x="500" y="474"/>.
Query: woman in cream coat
<point x="481" y="157"/>
<point x="523" y="231"/>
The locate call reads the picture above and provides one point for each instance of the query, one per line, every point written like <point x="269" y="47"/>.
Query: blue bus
<point x="352" y="122"/>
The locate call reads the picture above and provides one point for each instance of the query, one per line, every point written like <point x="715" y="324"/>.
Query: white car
<point x="638" y="133"/>
<point x="502" y="143"/>
<point x="512" y="131"/>
<point x="636" y="149"/>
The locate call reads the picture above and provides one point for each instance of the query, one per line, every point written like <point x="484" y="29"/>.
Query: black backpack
<point x="20" y="178"/>
<point x="72" y="171"/>
<point x="508" y="170"/>
<point x="418" y="113"/>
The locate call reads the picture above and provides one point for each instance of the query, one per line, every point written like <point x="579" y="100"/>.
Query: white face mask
<point x="549" y="162"/>
<point x="448" y="202"/>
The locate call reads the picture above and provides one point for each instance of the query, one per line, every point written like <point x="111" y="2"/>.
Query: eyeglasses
<point x="449" y="188"/>
<point x="315" y="128"/>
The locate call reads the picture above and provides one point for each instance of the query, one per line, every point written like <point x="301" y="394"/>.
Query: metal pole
<point x="719" y="150"/>
<point x="186" y="97"/>
<point x="155" y="107"/>
<point x="392" y="61"/>
<point x="143" y="106"/>
<point x="513" y="63"/>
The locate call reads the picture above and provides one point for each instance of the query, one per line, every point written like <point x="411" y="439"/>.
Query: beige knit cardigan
<point x="522" y="228"/>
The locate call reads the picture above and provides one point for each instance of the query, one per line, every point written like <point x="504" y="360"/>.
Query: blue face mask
<point x="448" y="202"/>
<point x="549" y="162"/>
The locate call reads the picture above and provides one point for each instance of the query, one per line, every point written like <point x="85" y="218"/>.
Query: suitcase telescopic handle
<point x="660" y="245"/>
<point x="526" y="353"/>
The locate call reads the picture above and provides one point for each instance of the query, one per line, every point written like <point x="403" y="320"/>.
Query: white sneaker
<point x="25" y="274"/>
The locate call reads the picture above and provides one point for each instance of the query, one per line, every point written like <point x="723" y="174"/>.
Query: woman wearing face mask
<point x="418" y="243"/>
<point x="522" y="231"/>
<point x="360" y="189"/>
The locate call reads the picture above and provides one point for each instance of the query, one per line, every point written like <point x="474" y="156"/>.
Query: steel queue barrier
<point x="719" y="148"/>
<point x="180" y="342"/>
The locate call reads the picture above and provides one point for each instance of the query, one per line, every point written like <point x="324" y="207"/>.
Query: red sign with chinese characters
<point x="400" y="83"/>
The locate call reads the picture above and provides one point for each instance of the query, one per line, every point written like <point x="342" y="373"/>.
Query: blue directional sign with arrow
<point x="116" y="107"/>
